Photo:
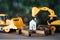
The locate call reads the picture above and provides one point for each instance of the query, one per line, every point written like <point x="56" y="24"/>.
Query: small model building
<point x="32" y="25"/>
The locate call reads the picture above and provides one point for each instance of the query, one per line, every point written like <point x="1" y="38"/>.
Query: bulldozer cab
<point x="3" y="17"/>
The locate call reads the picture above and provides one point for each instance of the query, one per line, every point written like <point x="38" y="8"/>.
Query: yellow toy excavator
<point x="53" y="23"/>
<point x="7" y="24"/>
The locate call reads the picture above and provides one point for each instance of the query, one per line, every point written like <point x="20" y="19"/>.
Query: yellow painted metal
<point x="53" y="28"/>
<point x="8" y="21"/>
<point x="3" y="14"/>
<point x="35" y="11"/>
<point x="2" y="22"/>
<point x="18" y="22"/>
<point x="6" y="29"/>
<point x="56" y="22"/>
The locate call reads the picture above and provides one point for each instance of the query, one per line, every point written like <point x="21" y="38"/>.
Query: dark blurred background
<point x="23" y="7"/>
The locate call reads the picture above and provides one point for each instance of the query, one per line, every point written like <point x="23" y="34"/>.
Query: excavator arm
<point x="35" y="11"/>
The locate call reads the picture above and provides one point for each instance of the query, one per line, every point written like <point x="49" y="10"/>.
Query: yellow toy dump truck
<point x="7" y="24"/>
<point x="52" y="22"/>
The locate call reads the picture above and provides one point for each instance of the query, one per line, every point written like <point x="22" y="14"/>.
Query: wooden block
<point x="25" y="28"/>
<point x="42" y="33"/>
<point x="25" y="32"/>
<point x="18" y="31"/>
<point x="37" y="34"/>
<point x="53" y="33"/>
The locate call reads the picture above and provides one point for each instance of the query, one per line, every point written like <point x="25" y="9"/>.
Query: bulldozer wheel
<point x="7" y="30"/>
<point x="53" y="28"/>
<point x="18" y="31"/>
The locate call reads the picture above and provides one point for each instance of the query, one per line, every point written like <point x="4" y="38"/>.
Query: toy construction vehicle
<point x="53" y="23"/>
<point x="8" y="24"/>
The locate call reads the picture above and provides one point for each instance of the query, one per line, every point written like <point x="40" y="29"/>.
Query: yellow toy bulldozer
<point x="7" y="24"/>
<point x="53" y="24"/>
